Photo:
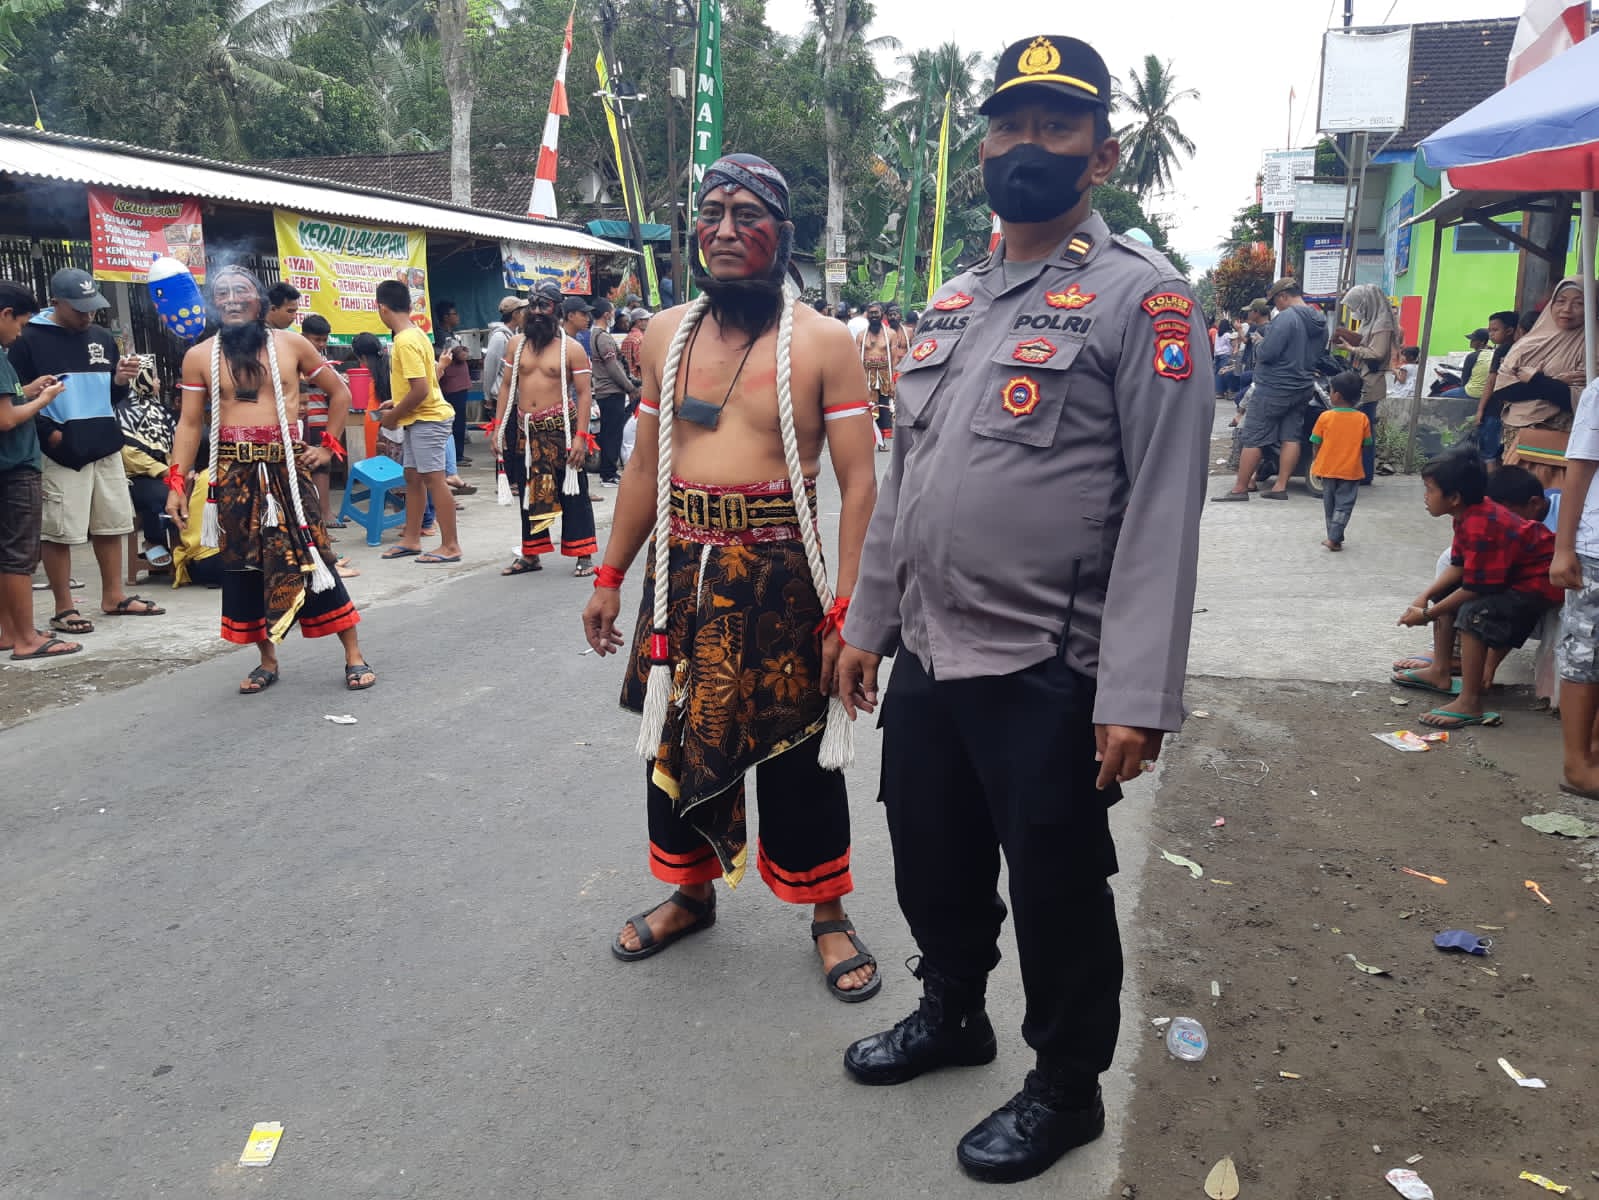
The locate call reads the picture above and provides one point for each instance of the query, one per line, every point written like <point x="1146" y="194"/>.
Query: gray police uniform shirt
<point x="1051" y="448"/>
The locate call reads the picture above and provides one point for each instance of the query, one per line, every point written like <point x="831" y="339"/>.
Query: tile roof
<point x="424" y="173"/>
<point x="1454" y="66"/>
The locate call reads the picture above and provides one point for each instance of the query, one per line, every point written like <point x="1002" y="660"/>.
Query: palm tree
<point x="1152" y="142"/>
<point x="15" y="17"/>
<point x="841" y="26"/>
<point x="934" y="72"/>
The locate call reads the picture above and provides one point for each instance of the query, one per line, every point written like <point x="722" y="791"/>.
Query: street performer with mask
<point x="262" y="510"/>
<point x="732" y="662"/>
<point x="881" y="347"/>
<point x="1032" y="561"/>
<point x="542" y="436"/>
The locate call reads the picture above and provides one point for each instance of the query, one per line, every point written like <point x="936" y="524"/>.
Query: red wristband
<point x="333" y="446"/>
<point x="177" y="481"/>
<point x="591" y="441"/>
<point x="606" y="576"/>
<point x="833" y="622"/>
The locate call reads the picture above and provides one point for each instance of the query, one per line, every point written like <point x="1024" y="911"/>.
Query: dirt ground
<point x="1307" y="871"/>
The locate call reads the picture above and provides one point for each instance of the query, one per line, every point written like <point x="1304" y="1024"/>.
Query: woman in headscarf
<point x="1371" y="346"/>
<point x="1553" y="350"/>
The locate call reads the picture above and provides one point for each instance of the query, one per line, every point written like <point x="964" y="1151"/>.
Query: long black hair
<point x="367" y="348"/>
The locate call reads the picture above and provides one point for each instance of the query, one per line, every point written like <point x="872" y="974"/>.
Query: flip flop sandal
<point x="1227" y="497"/>
<point x="523" y="566"/>
<point x="429" y="560"/>
<point x="862" y="958"/>
<point x="582" y="572"/>
<point x="48" y="650"/>
<point x="703" y="911"/>
<point x="262" y="678"/>
<point x="1568" y="788"/>
<point x="124" y="608"/>
<point x="336" y="524"/>
<point x="158" y="556"/>
<point x="352" y="676"/>
<point x="70" y="620"/>
<point x="1410" y="679"/>
<point x="1461" y="720"/>
<point x="400" y="552"/>
<point x="466" y="489"/>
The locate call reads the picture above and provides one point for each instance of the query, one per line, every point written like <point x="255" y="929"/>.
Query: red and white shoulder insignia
<point x="1169" y="302"/>
<point x="951" y="303"/>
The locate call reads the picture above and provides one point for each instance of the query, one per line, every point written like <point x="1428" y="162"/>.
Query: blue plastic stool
<point x="365" y="494"/>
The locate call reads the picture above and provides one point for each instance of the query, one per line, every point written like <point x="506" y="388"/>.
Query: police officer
<point x="1032" y="554"/>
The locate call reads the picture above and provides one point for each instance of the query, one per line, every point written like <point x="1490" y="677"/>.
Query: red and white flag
<point x="1548" y="28"/>
<point x="542" y="202"/>
<point x="994" y="235"/>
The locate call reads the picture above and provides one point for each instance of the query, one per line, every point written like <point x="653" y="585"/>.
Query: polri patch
<point x="1035" y="352"/>
<point x="1020" y="396"/>
<point x="1072" y="298"/>
<point x="951" y="303"/>
<point x="923" y="349"/>
<point x="1172" y="359"/>
<point x="1169" y="302"/>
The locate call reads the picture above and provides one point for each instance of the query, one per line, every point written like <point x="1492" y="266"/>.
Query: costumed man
<point x="880" y="348"/>
<point x="261" y="508"/>
<point x="542" y="437"/>
<point x="737" y="633"/>
<point x="1054" y="415"/>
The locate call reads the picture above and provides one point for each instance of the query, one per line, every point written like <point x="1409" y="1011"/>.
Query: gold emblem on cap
<point x="1040" y="57"/>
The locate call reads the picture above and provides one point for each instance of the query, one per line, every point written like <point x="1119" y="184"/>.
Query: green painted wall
<point x="1470" y="285"/>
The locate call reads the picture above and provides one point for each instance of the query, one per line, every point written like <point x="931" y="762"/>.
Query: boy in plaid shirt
<point x="1495" y="590"/>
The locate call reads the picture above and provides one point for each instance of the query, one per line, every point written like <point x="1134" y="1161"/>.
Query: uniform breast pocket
<point x="1025" y="389"/>
<point x="921" y="371"/>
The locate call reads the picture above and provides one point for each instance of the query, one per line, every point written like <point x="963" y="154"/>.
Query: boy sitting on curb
<point x="1496" y="590"/>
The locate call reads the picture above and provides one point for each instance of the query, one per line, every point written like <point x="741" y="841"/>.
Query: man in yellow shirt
<point x="427" y="419"/>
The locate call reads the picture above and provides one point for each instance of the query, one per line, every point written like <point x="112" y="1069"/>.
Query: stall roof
<point x="30" y="152"/>
<point x="1459" y="207"/>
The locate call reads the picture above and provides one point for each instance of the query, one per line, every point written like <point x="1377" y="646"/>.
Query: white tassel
<point x="838" y="739"/>
<point x="502" y="487"/>
<point x="273" y="517"/>
<point x="657" y="699"/>
<point x="210" y="527"/>
<point x="569" y="486"/>
<point x="321" y="578"/>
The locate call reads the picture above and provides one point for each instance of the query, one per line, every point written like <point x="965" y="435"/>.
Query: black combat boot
<point x="948" y="1029"/>
<point x="1032" y="1130"/>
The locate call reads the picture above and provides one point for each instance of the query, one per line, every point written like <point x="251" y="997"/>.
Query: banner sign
<point x="1324" y="260"/>
<point x="527" y="265"/>
<point x="338" y="267"/>
<point x="128" y="234"/>
<point x="1320" y="202"/>
<point x="1280" y="171"/>
<point x="1365" y="80"/>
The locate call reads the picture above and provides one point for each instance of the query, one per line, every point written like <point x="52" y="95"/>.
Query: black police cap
<point x="1064" y="66"/>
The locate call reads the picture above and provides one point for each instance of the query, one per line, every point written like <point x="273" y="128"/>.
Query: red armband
<point x="833" y="622"/>
<point x="606" y="576"/>
<point x="177" y="481"/>
<point x="333" y="446"/>
<point x="592" y="442"/>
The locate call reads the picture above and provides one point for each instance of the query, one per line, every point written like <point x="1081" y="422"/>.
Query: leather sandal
<point x="861" y="958"/>
<point x="704" y="912"/>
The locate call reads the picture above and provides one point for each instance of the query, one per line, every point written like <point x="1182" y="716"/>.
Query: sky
<point x="1243" y="66"/>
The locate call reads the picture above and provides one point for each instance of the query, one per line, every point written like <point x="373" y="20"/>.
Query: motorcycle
<point x="1304" y="468"/>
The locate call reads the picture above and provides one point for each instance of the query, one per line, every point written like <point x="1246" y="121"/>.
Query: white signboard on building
<point x="1320" y="202"/>
<point x="1365" y="80"/>
<point x="1279" y="170"/>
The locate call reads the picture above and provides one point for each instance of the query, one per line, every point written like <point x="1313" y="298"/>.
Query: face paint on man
<point x="874" y="318"/>
<point x="237" y="296"/>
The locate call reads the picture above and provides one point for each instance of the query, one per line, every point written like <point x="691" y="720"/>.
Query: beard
<point x="241" y="346"/>
<point x="750" y="306"/>
<point x="540" y="329"/>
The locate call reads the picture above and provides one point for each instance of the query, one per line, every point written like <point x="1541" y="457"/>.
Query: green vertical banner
<point x="935" y="261"/>
<point x="913" y="212"/>
<point x="707" y="136"/>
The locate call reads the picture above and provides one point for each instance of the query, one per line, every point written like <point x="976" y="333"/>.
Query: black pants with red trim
<point x="244" y="609"/>
<point x="578" y="532"/>
<point x="802" y="847"/>
<point x="973" y="767"/>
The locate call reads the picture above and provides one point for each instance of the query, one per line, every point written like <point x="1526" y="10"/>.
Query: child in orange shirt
<point x="1339" y="435"/>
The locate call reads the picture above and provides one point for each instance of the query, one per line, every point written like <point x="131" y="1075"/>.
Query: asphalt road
<point x="392" y="937"/>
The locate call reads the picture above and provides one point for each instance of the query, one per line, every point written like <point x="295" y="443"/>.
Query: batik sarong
<point x="536" y="477"/>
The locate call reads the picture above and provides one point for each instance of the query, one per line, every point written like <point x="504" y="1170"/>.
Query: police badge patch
<point x="923" y="349"/>
<point x="1172" y="359"/>
<point x="951" y="303"/>
<point x="1035" y="352"/>
<point x="1072" y="298"/>
<point x="1020" y="396"/>
<point x="1169" y="302"/>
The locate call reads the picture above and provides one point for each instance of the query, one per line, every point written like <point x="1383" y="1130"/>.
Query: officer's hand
<point x="599" y="621"/>
<point x="855" y="679"/>
<point x="1124" y="753"/>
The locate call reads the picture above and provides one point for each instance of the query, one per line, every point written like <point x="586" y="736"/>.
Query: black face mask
<point x="1030" y="185"/>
